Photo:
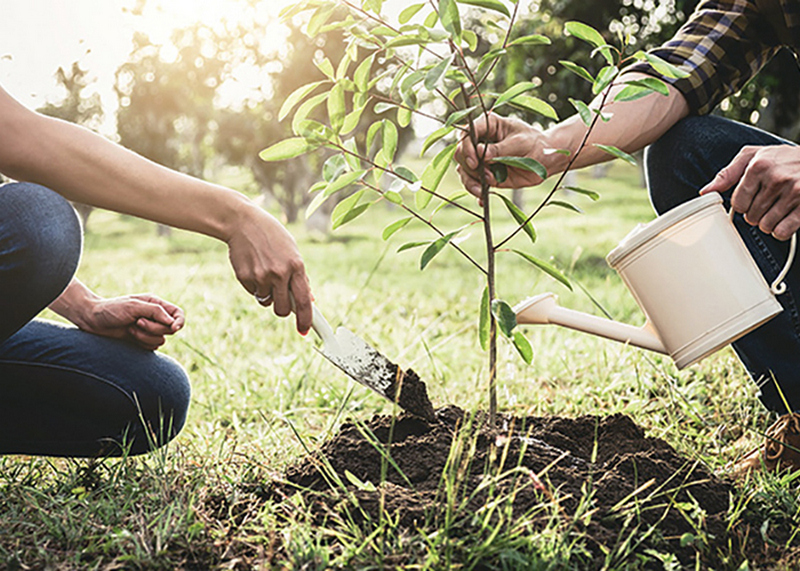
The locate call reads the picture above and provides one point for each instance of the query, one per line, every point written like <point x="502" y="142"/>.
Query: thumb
<point x="729" y="176"/>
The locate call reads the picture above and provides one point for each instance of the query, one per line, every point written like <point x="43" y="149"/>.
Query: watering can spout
<point x="543" y="309"/>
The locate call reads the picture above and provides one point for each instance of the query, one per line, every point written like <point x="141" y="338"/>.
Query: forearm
<point x="633" y="125"/>
<point x="75" y="303"/>
<point x="85" y="167"/>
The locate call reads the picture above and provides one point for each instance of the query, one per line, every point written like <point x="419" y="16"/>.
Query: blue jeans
<point x="678" y="165"/>
<point x="65" y="392"/>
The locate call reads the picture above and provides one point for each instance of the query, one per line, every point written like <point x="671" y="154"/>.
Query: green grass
<point x="261" y="394"/>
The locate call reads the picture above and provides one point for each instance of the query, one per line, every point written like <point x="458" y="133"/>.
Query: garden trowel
<point x="368" y="367"/>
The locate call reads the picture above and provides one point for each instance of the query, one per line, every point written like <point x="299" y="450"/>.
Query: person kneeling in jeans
<point x="99" y="387"/>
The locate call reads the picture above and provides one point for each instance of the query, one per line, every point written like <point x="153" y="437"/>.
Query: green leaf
<point x="326" y="67"/>
<point x="403" y="117"/>
<point x="336" y="107"/>
<point x="585" y="33"/>
<point x="393" y="197"/>
<point x="590" y="193"/>
<point x="651" y="83"/>
<point x="410" y="245"/>
<point x="450" y="18"/>
<point x="523" y="347"/>
<point x="471" y="38"/>
<point x="409" y="12"/>
<point x="352" y="119"/>
<point x="286" y="149"/>
<point x="505" y="316"/>
<point x="578" y="70"/>
<point x="296" y="97"/>
<point x="341" y="182"/>
<point x="545" y="267"/>
<point x="484" y="321"/>
<point x="389" y="231"/>
<point x="435" y="137"/>
<point x="523" y="163"/>
<point x="492" y="55"/>
<point x="534" y="39"/>
<point x="435" y="247"/>
<point x="520" y="217"/>
<point x="566" y="205"/>
<point x="499" y="172"/>
<point x="319" y="18"/>
<point x="434" y="173"/>
<point x="536" y="105"/>
<point x="583" y="111"/>
<point x="389" y="140"/>
<point x="372" y="133"/>
<point x="305" y="110"/>
<point x="348" y="209"/>
<point x="457" y="116"/>
<point x="495" y="5"/>
<point x="513" y="92"/>
<point x="406" y="174"/>
<point x="617" y="153"/>
<point x="361" y="76"/>
<point x="604" y="78"/>
<point x="431" y="20"/>
<point x="665" y="68"/>
<point x="632" y="93"/>
<point x="363" y="486"/>
<point x="332" y="168"/>
<point x="437" y="72"/>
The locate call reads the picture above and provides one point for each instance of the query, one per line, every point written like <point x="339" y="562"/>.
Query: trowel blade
<point x="362" y="363"/>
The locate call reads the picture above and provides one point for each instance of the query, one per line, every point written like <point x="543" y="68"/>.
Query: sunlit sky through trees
<point x="38" y="36"/>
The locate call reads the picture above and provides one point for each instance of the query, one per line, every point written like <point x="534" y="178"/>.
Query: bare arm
<point x="87" y="168"/>
<point x="633" y="125"/>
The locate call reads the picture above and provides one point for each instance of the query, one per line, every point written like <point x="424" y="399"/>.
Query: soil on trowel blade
<point x="633" y="482"/>
<point x="413" y="395"/>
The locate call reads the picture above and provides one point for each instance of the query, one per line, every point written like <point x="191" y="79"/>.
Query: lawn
<point x="262" y="397"/>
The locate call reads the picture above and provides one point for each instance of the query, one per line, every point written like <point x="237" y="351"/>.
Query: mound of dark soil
<point x="542" y="467"/>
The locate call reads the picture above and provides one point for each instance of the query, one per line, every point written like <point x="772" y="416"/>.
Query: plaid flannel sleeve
<point x="722" y="45"/>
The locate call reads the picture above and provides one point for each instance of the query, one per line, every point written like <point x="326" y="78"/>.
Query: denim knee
<point x="41" y="238"/>
<point x="163" y="405"/>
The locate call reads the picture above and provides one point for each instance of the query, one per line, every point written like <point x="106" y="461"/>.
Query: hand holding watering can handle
<point x="777" y="287"/>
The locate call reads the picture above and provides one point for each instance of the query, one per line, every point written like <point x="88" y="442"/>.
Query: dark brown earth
<point x="413" y="394"/>
<point x="619" y="482"/>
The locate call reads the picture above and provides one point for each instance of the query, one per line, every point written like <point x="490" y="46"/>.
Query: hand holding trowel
<point x="365" y="365"/>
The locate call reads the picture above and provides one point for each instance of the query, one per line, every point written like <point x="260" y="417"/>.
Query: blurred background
<point x="196" y="85"/>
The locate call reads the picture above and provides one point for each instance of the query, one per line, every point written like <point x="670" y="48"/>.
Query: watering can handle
<point x="777" y="287"/>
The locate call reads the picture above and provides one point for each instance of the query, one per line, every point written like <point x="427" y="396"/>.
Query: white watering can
<point x="693" y="278"/>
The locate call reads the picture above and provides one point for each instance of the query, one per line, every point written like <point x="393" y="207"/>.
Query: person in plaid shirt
<point x="688" y="152"/>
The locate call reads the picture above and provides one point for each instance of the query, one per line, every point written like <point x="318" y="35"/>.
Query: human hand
<point x="142" y="319"/>
<point x="766" y="183"/>
<point x="511" y="138"/>
<point x="268" y="264"/>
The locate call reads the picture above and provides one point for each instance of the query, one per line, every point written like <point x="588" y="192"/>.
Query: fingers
<point x="145" y="339"/>
<point x="301" y="291"/>
<point x="177" y="314"/>
<point x="731" y="176"/>
<point x="152" y="311"/>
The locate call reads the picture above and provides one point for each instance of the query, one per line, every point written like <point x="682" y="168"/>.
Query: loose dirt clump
<point x="601" y="475"/>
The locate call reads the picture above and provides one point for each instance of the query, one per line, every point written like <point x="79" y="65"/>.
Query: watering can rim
<point x="643" y="233"/>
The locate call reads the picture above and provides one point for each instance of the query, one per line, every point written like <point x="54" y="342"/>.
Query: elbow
<point x="20" y="129"/>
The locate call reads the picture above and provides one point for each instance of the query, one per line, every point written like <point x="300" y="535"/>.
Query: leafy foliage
<point x="428" y="68"/>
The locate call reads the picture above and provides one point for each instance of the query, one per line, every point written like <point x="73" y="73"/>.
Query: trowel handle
<point x="321" y="326"/>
